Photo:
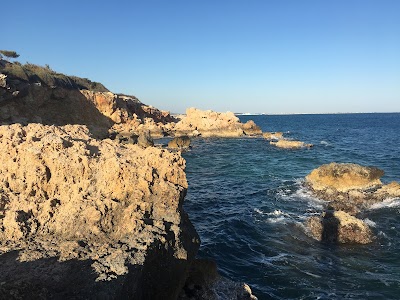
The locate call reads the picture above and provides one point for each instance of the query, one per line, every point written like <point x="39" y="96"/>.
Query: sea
<point x="247" y="200"/>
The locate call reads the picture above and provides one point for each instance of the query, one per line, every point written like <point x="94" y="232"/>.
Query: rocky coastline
<point x="88" y="208"/>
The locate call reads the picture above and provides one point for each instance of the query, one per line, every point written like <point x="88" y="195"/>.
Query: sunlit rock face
<point x="350" y="187"/>
<point x="84" y="218"/>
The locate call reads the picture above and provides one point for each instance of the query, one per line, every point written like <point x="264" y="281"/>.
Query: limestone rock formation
<point x="87" y="219"/>
<point x="273" y="135"/>
<point x="287" y="144"/>
<point x="145" y="140"/>
<point x="350" y="187"/>
<point x="204" y="283"/>
<point x="34" y="94"/>
<point x="211" y="124"/>
<point x="252" y="129"/>
<point x="180" y="142"/>
<point x="339" y="227"/>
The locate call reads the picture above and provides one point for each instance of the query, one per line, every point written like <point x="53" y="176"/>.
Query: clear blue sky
<point x="277" y="56"/>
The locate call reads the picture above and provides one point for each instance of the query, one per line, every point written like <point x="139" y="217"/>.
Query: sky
<point x="281" y="56"/>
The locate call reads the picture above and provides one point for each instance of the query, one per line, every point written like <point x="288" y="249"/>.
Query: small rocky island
<point x="348" y="189"/>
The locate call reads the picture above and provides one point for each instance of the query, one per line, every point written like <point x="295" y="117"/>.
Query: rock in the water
<point x="88" y="219"/>
<point x="180" y="142"/>
<point x="250" y="128"/>
<point x="350" y="187"/>
<point x="204" y="283"/>
<point x="209" y="124"/>
<point x="287" y="144"/>
<point x="339" y="227"/>
<point x="273" y="135"/>
<point x="145" y="140"/>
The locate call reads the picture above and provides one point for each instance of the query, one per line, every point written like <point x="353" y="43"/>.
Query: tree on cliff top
<point x="8" y="54"/>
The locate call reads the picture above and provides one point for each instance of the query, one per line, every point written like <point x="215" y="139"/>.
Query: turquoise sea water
<point x="248" y="204"/>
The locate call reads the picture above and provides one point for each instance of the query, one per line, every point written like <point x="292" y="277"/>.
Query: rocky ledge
<point x="87" y="219"/>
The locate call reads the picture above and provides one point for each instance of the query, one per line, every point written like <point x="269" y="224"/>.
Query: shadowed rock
<point x="339" y="227"/>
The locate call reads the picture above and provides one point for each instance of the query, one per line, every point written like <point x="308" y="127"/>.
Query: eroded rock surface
<point x="350" y="187"/>
<point x="212" y="124"/>
<point x="40" y="95"/>
<point x="339" y="227"/>
<point x="180" y="142"/>
<point x="89" y="219"/>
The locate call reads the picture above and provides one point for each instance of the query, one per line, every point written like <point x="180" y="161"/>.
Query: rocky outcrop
<point x="350" y="187"/>
<point x="39" y="95"/>
<point x="212" y="124"/>
<point x="252" y="129"/>
<point x="204" y="283"/>
<point x="180" y="142"/>
<point x="87" y="219"/>
<point x="288" y="144"/>
<point x="339" y="227"/>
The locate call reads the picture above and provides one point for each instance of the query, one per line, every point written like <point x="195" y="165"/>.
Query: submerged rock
<point x="350" y="187"/>
<point x="89" y="219"/>
<point x="339" y="227"/>
<point x="181" y="142"/>
<point x="287" y="144"/>
<point x="273" y="135"/>
<point x="204" y="283"/>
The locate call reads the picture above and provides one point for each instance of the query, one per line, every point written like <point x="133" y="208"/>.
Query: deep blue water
<point x="247" y="202"/>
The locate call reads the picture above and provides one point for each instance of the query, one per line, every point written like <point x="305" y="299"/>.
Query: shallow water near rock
<point x="248" y="204"/>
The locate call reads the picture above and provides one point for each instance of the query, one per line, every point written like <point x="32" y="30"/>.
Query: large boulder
<point x="339" y="227"/>
<point x="87" y="219"/>
<point x="350" y="187"/>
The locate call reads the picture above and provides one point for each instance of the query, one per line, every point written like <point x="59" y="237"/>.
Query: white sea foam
<point x="390" y="202"/>
<point x="369" y="222"/>
<point x="325" y="143"/>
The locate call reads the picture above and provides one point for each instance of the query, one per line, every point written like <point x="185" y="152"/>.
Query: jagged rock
<point x="350" y="187"/>
<point x="145" y="140"/>
<point x="87" y="219"/>
<point x="339" y="227"/>
<point x="209" y="124"/>
<point x="57" y="99"/>
<point x="181" y="142"/>
<point x="286" y="144"/>
<point x="250" y="128"/>
<point x="273" y="135"/>
<point x="204" y="283"/>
